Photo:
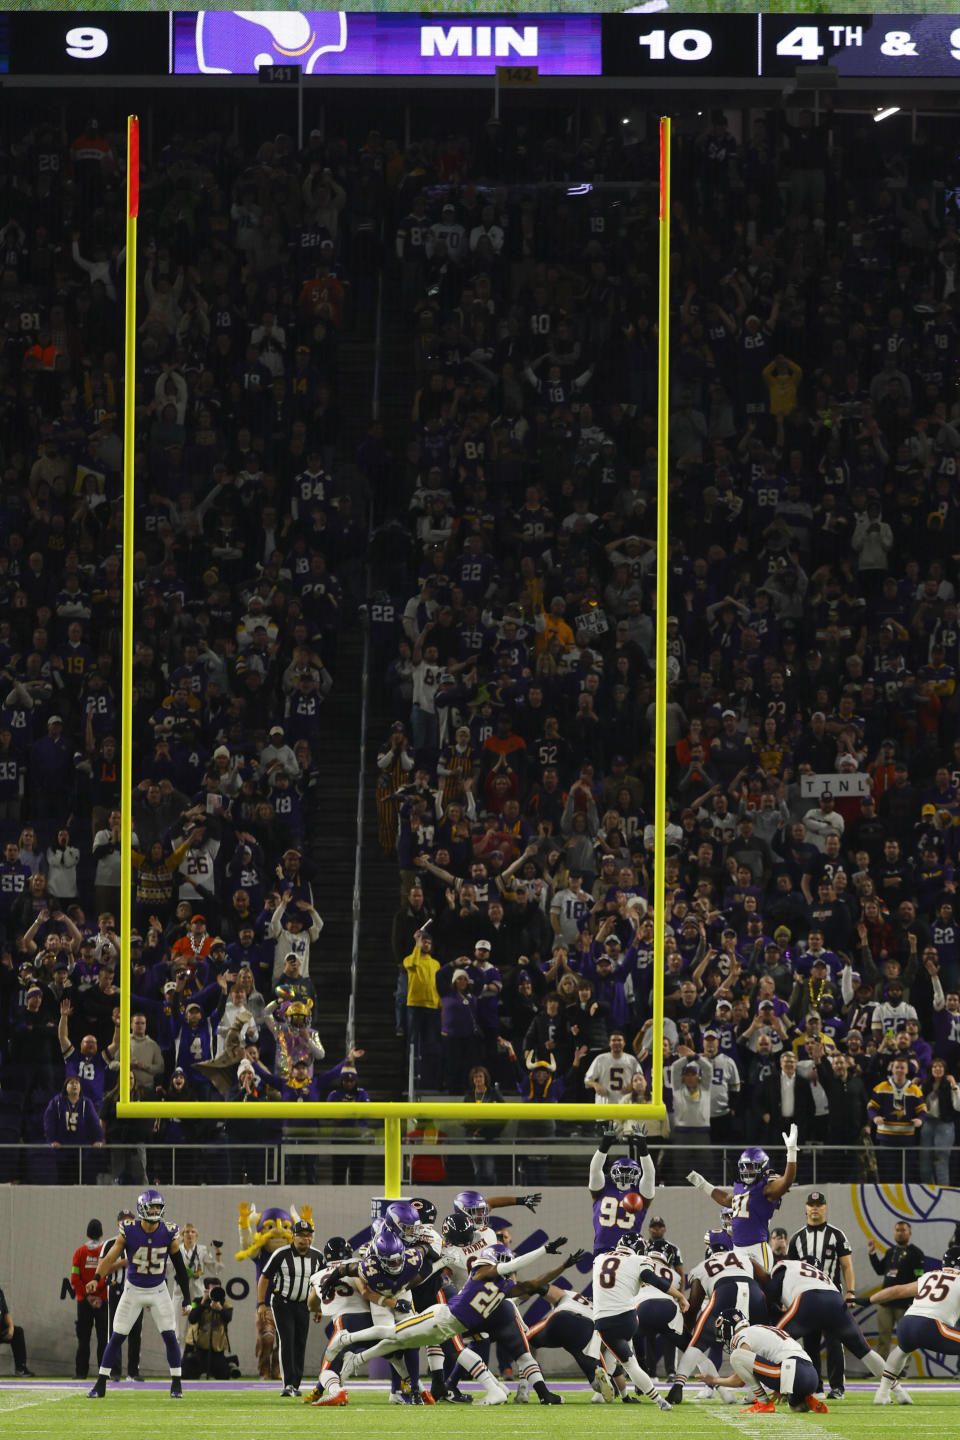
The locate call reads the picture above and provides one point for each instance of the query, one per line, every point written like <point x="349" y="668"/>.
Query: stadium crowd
<point x="813" y="968"/>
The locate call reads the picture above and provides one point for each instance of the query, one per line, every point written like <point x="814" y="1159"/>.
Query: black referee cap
<point x="302" y="1227"/>
<point x="816" y="1197"/>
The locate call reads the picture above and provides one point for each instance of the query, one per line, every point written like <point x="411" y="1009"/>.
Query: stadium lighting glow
<point x="883" y="112"/>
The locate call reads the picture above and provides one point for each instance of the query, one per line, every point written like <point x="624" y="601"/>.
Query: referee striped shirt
<point x="823" y="1245"/>
<point x="289" y="1273"/>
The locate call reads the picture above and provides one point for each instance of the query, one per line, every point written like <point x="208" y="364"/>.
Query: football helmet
<point x="625" y="1174"/>
<point x="388" y="1250"/>
<point x="493" y="1254"/>
<point x="296" y="1013"/>
<point x="636" y="1243"/>
<point x="727" y="1324"/>
<point x="472" y="1203"/>
<point x="150" y="1205"/>
<point x="714" y="1247"/>
<point x="337" y="1248"/>
<point x="403" y="1219"/>
<point x="726" y="1219"/>
<point x="458" y="1229"/>
<point x="425" y="1209"/>
<point x="753" y="1165"/>
<point x="951" y="1258"/>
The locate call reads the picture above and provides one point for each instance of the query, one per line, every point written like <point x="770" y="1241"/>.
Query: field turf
<point x="50" y="1411"/>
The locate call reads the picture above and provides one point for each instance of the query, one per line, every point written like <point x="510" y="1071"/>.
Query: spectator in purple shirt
<point x="69" y="1122"/>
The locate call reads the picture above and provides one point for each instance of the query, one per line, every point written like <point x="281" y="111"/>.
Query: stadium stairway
<point x="330" y="835"/>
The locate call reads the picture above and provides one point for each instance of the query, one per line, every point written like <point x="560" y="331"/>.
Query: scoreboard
<point x="333" y="43"/>
<point x="760" y="47"/>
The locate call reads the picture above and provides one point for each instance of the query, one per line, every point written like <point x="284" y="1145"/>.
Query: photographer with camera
<point x="206" y="1353"/>
<point x="204" y="1265"/>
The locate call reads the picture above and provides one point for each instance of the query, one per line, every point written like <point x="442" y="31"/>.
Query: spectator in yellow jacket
<point x="423" y="1008"/>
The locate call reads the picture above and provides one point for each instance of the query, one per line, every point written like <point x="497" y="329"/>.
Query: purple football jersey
<point x="147" y="1252"/>
<point x="382" y="1281"/>
<point x="752" y="1213"/>
<point x="611" y="1218"/>
<point x="478" y="1299"/>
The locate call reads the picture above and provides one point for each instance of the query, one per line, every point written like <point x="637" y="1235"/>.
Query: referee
<point x="286" y="1280"/>
<point x="827" y="1247"/>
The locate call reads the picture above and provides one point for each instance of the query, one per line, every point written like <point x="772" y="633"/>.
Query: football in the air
<point x="633" y="1201"/>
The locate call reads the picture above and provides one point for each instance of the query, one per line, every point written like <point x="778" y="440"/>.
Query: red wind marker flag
<point x="133" y="168"/>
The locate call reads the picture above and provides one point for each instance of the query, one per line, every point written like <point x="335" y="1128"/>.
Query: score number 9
<point x="86" y="43"/>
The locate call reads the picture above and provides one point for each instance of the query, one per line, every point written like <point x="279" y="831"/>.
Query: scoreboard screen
<point x="317" y="43"/>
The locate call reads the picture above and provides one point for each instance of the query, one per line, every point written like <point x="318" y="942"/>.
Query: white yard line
<point x="17" y="1400"/>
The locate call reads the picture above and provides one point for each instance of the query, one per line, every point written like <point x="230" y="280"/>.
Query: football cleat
<point x="662" y="1404"/>
<point x="494" y="1397"/>
<point x="596" y="1399"/>
<point x="602" y="1384"/>
<point x="902" y="1397"/>
<point x="456" y="1397"/>
<point x="727" y="1395"/>
<point x="99" y="1390"/>
<point x="521" y="1396"/>
<point x="550" y="1397"/>
<point x="335" y="1344"/>
<point x="626" y="1399"/>
<point x="340" y="1398"/>
<point x="351" y="1363"/>
<point x="312" y="1395"/>
<point x="760" y="1407"/>
<point x="176" y="1389"/>
<point x="816" y="1405"/>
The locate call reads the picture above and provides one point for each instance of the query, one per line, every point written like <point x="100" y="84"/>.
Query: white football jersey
<point x="651" y="1292"/>
<point x="345" y="1300"/>
<point x="577" y="1303"/>
<point x="770" y="1343"/>
<point x="799" y="1276"/>
<point x="726" y="1265"/>
<point x="616" y="1282"/>
<point x="457" y="1258"/>
<point x="938" y="1296"/>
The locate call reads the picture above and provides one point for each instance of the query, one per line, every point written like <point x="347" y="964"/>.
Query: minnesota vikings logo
<point x="240" y="42"/>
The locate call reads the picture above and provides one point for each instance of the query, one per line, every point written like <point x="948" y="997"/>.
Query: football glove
<point x="574" y="1258"/>
<point x="696" y="1179"/>
<point x="553" y="1247"/>
<point x="530" y="1201"/>
<point x="638" y="1144"/>
<point x="790" y="1139"/>
<point x="605" y="1143"/>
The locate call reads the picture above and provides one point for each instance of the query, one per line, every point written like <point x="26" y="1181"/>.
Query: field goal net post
<point x="392" y="1113"/>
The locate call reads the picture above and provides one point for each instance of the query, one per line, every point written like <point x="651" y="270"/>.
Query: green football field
<point x="55" y="1412"/>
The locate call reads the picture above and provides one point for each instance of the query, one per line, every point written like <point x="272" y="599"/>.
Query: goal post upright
<point x="658" y="897"/>
<point x="393" y="1113"/>
<point x="126" y="647"/>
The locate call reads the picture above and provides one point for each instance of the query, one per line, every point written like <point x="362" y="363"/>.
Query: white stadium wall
<point x="42" y="1226"/>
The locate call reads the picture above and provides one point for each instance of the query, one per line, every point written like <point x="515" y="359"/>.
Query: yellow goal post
<point x="392" y="1113"/>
